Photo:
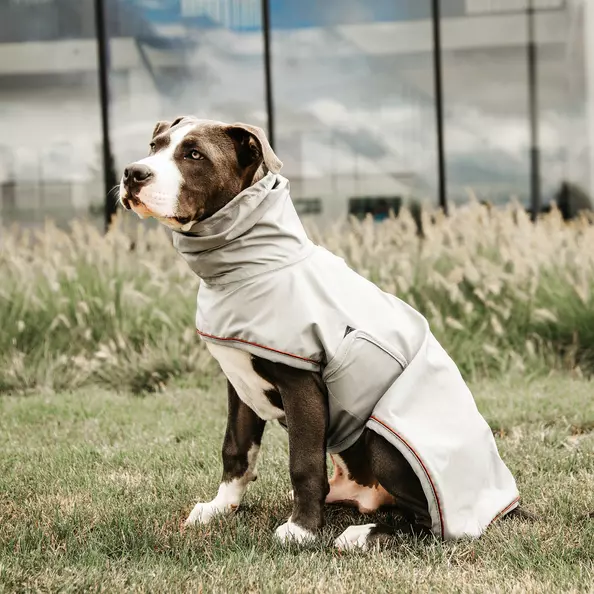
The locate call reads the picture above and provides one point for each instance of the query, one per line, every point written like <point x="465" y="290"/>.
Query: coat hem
<point x="506" y="510"/>
<point x="422" y="465"/>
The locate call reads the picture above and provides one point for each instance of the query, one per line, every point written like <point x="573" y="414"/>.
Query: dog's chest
<point x="250" y="387"/>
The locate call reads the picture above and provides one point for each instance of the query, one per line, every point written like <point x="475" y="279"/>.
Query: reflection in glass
<point x="49" y="147"/>
<point x="354" y="105"/>
<point x="199" y="57"/>
<point x="353" y="89"/>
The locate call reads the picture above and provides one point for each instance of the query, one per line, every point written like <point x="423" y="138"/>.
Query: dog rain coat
<point x="268" y="290"/>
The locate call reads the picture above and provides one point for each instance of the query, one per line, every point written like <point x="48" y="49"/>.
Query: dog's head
<point x="194" y="168"/>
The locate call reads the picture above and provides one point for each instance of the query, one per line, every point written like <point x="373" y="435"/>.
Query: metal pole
<point x="533" y="112"/>
<point x="437" y="73"/>
<point x="268" y="70"/>
<point x="588" y="34"/>
<point x="109" y="177"/>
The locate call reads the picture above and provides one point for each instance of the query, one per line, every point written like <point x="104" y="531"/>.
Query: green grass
<point x="94" y="485"/>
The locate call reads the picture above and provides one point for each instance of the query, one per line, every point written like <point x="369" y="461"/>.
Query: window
<point x="50" y="159"/>
<point x="354" y="100"/>
<point x="195" y="57"/>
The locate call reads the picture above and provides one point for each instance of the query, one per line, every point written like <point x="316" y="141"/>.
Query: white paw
<point x="290" y="532"/>
<point x="203" y="513"/>
<point x="228" y="498"/>
<point x="354" y="537"/>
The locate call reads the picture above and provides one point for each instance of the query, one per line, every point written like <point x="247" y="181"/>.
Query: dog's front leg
<point x="240" y="452"/>
<point x="306" y="408"/>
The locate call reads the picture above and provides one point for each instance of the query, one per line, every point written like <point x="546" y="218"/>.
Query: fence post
<point x="533" y="112"/>
<point x="109" y="177"/>
<point x="437" y="74"/>
<point x="268" y="70"/>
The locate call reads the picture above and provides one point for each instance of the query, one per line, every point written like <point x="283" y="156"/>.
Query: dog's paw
<point x="354" y="537"/>
<point x="290" y="532"/>
<point x="203" y="513"/>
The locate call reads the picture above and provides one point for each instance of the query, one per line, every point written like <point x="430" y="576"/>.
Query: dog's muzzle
<point x="135" y="177"/>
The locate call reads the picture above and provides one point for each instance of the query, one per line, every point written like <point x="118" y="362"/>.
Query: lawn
<point x="94" y="485"/>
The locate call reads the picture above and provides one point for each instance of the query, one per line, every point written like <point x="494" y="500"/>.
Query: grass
<point x="95" y="479"/>
<point x="94" y="485"/>
<point x="501" y="294"/>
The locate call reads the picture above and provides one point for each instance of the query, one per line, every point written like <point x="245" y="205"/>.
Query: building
<point x="353" y="89"/>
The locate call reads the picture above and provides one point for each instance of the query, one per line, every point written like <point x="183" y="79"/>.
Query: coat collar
<point x="258" y="231"/>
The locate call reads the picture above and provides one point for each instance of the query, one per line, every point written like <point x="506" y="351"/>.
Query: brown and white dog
<point x="194" y="168"/>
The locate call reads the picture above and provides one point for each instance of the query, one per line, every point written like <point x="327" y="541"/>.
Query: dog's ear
<point x="253" y="146"/>
<point x="178" y="119"/>
<point x="161" y="127"/>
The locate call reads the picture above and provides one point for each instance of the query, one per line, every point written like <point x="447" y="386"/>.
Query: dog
<point x="303" y="339"/>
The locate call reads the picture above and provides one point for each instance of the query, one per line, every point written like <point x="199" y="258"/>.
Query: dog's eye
<point x="152" y="146"/>
<point x="195" y="155"/>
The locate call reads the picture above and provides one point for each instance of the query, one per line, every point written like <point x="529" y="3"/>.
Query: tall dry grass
<point x="502" y="295"/>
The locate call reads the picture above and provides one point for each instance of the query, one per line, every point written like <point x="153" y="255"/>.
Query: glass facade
<point x="49" y="110"/>
<point x="194" y="57"/>
<point x="354" y="103"/>
<point x="486" y="104"/>
<point x="353" y="90"/>
<point x="486" y="96"/>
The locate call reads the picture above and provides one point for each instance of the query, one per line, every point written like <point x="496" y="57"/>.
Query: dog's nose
<point x="137" y="173"/>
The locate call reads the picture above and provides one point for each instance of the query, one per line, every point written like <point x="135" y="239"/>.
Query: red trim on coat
<point x="420" y="461"/>
<point x="505" y="509"/>
<point x="261" y="346"/>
